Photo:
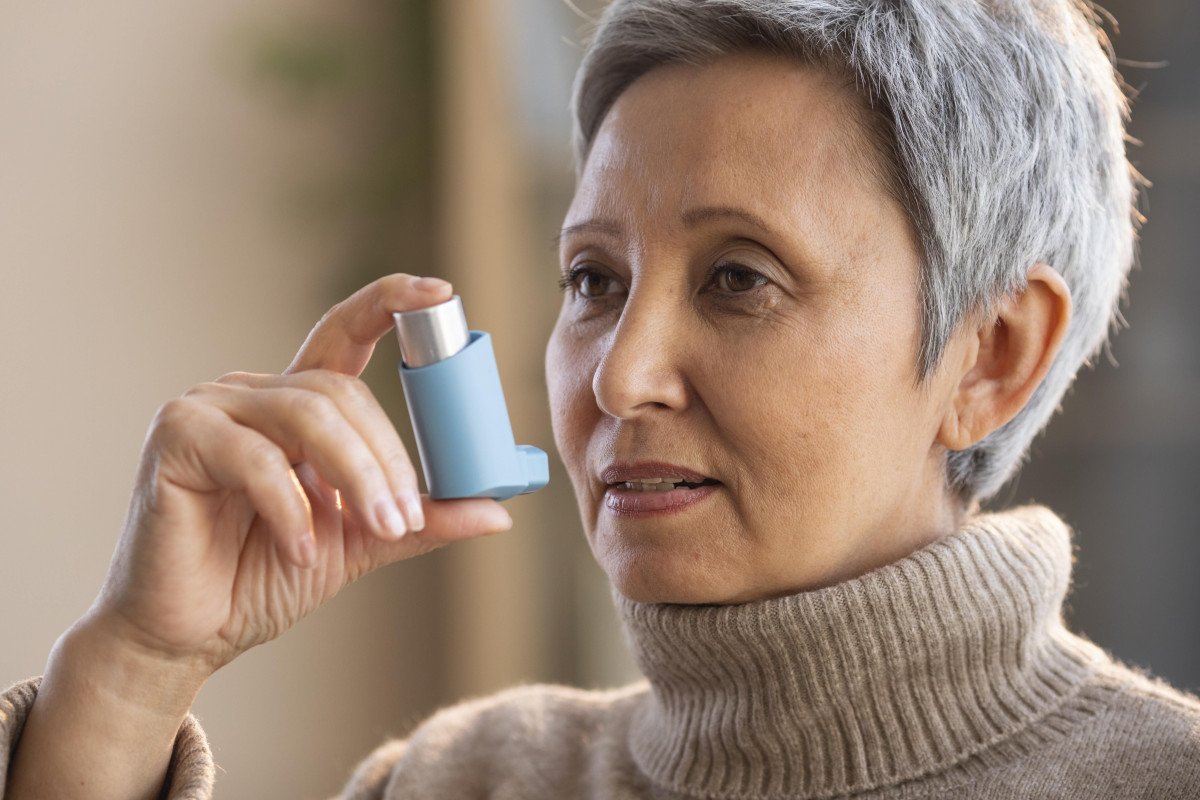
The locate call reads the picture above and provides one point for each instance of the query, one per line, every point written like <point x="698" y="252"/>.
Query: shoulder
<point x="531" y="741"/>
<point x="1153" y="723"/>
<point x="1123" y="735"/>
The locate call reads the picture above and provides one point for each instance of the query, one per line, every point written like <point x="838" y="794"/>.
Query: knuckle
<point x="366" y="467"/>
<point x="233" y="378"/>
<point x="347" y="390"/>
<point x="335" y="311"/>
<point x="262" y="457"/>
<point x="353" y="390"/>
<point x="400" y="465"/>
<point x="172" y="422"/>
<point x="331" y="380"/>
<point x="357" y="388"/>
<point x="202" y="389"/>
<point x="391" y="284"/>
<point x="175" y="413"/>
<point x="313" y="405"/>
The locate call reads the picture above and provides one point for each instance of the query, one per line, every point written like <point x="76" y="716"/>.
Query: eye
<point x="735" y="278"/>
<point x="587" y="282"/>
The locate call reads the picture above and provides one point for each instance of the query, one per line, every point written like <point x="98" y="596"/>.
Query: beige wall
<point x="145" y="247"/>
<point x="146" y="244"/>
<point x="142" y="251"/>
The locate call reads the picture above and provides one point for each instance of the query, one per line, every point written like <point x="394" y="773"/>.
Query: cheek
<point x="569" y="369"/>
<point x="870" y="416"/>
<point x="829" y="397"/>
<point x="761" y="392"/>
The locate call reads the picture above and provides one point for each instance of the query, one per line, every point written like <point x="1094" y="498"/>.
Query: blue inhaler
<point x="457" y="409"/>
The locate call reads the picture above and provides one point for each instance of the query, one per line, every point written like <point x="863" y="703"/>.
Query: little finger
<point x="191" y="435"/>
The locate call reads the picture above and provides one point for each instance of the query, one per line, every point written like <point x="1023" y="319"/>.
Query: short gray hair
<point x="1003" y="122"/>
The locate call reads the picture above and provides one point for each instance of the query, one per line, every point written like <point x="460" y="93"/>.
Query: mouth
<point x="661" y="484"/>
<point x="654" y="489"/>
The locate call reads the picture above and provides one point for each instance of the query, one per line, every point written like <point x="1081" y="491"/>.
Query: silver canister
<point x="430" y="335"/>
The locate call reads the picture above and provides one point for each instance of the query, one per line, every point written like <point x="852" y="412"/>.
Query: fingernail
<point x="308" y="550"/>
<point x="501" y="519"/>
<point x="389" y="517"/>
<point x="413" y="510"/>
<point x="430" y="284"/>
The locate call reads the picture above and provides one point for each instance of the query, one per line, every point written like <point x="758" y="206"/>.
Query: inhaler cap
<point x="430" y="335"/>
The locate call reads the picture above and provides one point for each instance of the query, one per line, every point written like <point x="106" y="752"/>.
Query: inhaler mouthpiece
<point x="452" y="389"/>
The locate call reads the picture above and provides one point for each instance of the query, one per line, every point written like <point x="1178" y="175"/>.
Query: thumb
<point x="450" y="520"/>
<point x="446" y="521"/>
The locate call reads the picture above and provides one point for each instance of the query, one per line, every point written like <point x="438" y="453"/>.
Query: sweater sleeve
<point x="370" y="778"/>
<point x="533" y="742"/>
<point x="190" y="774"/>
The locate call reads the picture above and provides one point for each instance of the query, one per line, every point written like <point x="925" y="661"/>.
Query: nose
<point x="642" y="368"/>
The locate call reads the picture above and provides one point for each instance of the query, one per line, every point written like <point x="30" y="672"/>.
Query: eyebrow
<point x="690" y="218"/>
<point x="694" y="216"/>
<point x="604" y="226"/>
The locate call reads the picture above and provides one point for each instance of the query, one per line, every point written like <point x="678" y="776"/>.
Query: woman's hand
<point x="260" y="496"/>
<point x="257" y="499"/>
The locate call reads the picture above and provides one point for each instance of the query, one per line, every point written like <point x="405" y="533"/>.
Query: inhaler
<point x="457" y="409"/>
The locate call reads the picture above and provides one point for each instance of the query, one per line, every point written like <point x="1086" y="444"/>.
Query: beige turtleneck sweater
<point x="947" y="674"/>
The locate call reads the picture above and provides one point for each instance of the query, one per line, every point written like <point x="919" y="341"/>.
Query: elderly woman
<point x="830" y="266"/>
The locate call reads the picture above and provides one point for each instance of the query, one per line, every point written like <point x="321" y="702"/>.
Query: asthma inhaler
<point x="457" y="409"/>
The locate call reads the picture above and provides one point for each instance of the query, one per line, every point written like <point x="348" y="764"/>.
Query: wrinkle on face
<point x="800" y="398"/>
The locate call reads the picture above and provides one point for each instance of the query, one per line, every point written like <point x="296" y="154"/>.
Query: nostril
<point x="627" y="384"/>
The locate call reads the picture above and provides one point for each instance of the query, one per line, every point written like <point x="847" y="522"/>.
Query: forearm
<point x="104" y="722"/>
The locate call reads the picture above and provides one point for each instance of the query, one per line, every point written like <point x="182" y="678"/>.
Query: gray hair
<point x="1002" y="122"/>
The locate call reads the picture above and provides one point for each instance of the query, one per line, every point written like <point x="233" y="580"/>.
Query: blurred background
<point x="186" y="188"/>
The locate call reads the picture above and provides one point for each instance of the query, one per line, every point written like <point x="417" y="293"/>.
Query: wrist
<point x="101" y="655"/>
<point x="105" y="719"/>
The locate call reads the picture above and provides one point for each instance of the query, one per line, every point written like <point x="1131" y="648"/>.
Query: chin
<point x="647" y="578"/>
<point x="644" y="592"/>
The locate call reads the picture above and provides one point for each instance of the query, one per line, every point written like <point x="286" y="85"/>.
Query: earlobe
<point x="1006" y="358"/>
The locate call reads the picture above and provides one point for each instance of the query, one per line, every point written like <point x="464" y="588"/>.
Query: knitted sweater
<point x="947" y="674"/>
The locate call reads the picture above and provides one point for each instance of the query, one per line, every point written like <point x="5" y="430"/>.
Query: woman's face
<point x="741" y="322"/>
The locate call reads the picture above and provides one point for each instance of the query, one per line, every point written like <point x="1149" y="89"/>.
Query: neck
<point x="900" y="672"/>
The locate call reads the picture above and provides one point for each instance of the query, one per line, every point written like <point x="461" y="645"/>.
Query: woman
<point x="828" y="269"/>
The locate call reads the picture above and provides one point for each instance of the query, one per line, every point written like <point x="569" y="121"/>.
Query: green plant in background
<point x="373" y="67"/>
<point x="305" y="62"/>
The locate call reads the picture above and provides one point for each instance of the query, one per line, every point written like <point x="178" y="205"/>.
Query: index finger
<point x="346" y="336"/>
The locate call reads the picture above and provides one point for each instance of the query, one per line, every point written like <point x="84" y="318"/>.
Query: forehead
<point x="753" y="130"/>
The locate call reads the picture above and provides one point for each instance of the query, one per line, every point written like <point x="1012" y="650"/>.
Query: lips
<point x="651" y="488"/>
<point x="650" y="471"/>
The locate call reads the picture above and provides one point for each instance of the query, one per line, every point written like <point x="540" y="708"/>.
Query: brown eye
<point x="736" y="278"/>
<point x="589" y="283"/>
<point x="593" y="285"/>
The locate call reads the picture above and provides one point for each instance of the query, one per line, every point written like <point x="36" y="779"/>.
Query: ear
<point x="1006" y="358"/>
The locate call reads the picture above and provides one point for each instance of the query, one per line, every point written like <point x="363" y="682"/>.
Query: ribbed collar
<point x="897" y="674"/>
